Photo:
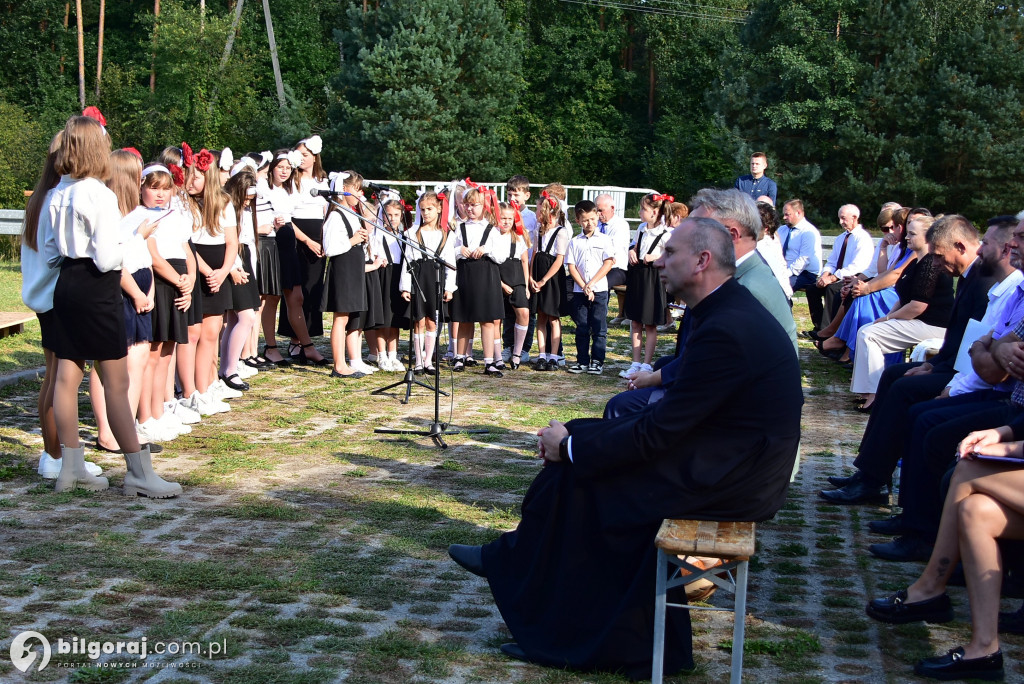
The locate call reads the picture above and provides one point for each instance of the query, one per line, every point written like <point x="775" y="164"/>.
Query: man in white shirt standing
<point x="617" y="230"/>
<point x="851" y="254"/>
<point x="589" y="257"/>
<point x="801" y="246"/>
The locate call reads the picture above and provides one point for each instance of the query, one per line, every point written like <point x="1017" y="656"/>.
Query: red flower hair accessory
<point x="177" y="174"/>
<point x="204" y="159"/>
<point x="549" y="198"/>
<point x="187" y="158"/>
<point x="95" y="113"/>
<point x="663" y="198"/>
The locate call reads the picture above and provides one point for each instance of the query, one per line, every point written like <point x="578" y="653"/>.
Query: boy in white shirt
<point x="590" y="256"/>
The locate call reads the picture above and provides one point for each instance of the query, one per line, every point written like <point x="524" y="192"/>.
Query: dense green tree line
<point x="919" y="101"/>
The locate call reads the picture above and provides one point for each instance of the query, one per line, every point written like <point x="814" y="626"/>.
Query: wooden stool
<point x="12" y="323"/>
<point x="733" y="542"/>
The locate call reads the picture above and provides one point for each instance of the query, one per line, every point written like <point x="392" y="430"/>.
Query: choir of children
<point x="187" y="258"/>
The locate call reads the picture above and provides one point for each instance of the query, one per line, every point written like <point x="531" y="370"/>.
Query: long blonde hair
<point x="208" y="208"/>
<point x="125" y="179"/>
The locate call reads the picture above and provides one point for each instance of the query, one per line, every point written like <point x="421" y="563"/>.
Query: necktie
<point x="842" y="252"/>
<point x="601" y="225"/>
<point x="785" y="245"/>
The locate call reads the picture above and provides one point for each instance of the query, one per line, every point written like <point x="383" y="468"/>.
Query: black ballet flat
<point x="283" y="363"/>
<point x="235" y="382"/>
<point x="493" y="371"/>
<point x="514" y="361"/>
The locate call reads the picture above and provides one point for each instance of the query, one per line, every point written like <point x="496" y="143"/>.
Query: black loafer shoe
<point x="895" y="610"/>
<point x="235" y="382"/>
<point x="1012" y="623"/>
<point x="857" y="493"/>
<point x="953" y="665"/>
<point x="469" y="557"/>
<point x="892" y="526"/>
<point x="843" y="480"/>
<point x="905" y="549"/>
<point x="512" y="650"/>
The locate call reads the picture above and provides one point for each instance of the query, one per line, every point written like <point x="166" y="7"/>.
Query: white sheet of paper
<point x="974" y="331"/>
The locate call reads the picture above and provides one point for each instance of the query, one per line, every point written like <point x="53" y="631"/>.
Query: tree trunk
<point x="231" y="36"/>
<point x="99" y="48"/>
<point x="67" y="17"/>
<point x="273" y="54"/>
<point x="81" y="54"/>
<point x="202" y="15"/>
<point x="152" y="62"/>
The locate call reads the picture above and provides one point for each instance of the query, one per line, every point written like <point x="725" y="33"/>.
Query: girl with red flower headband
<point x="515" y="273"/>
<point x="307" y="225"/>
<point x="431" y="233"/>
<point x="646" y="300"/>
<point x="547" y="279"/>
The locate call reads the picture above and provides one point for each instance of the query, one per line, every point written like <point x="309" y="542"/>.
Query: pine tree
<point x="424" y="89"/>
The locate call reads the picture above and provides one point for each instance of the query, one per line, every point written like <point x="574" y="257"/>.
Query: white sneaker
<point x="384" y="364"/>
<point x="245" y="371"/>
<point x="633" y="368"/>
<point x="152" y="431"/>
<point x="49" y="467"/>
<point x="362" y="367"/>
<point x="396" y="363"/>
<point x="182" y="411"/>
<point x="221" y="391"/>
<point x="172" y="423"/>
<point x="206" y="405"/>
<point x="646" y="368"/>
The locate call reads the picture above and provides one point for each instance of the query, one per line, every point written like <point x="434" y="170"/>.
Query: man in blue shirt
<point x="756" y="183"/>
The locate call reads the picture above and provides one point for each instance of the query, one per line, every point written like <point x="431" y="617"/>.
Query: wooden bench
<point x="14" y="322"/>
<point x="733" y="542"/>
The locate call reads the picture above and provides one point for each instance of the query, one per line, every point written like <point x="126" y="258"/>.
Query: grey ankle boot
<point x="141" y="480"/>
<point x="73" y="473"/>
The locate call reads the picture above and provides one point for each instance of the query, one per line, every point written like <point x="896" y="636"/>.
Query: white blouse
<point x="172" y="234"/>
<point x="264" y="207"/>
<point x="431" y="239"/>
<point x="305" y="205"/>
<point x="201" y="236"/>
<point x="136" y="251"/>
<point x="84" y="217"/>
<point x="474" y="234"/>
<point x="646" y="238"/>
<point x="560" y="240"/>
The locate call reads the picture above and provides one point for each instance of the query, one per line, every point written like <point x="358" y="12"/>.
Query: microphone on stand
<point x="317" y="192"/>
<point x="376" y="188"/>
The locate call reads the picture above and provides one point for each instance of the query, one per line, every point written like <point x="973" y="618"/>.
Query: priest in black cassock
<point x="575" y="581"/>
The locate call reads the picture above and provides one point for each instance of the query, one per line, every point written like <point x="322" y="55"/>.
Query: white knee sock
<point x="417" y="341"/>
<point x="429" y="338"/>
<point x="520" y="339"/>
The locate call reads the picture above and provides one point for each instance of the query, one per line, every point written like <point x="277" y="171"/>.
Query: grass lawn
<point x="17" y="351"/>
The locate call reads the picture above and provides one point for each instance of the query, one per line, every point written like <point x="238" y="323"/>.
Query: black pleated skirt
<point x="246" y="295"/>
<point x="645" y="295"/>
<point x="345" y="290"/>
<point x="426" y="276"/>
<point x="194" y="315"/>
<point x="552" y="297"/>
<point x="268" y="267"/>
<point x="88" y="313"/>
<point x="170" y="324"/>
<point x="478" y="297"/>
<point x="311" y="278"/>
<point x="511" y="271"/>
<point x="138" y="327"/>
<point x="214" y="303"/>
<point x="288" y="257"/>
<point x="395" y="309"/>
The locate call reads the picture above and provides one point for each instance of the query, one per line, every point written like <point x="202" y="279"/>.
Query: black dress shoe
<point x="857" y="493"/>
<point x="842" y="481"/>
<point x="1012" y="623"/>
<point x="895" y="610"/>
<point x="469" y="557"/>
<point x="908" y="548"/>
<point x="235" y="382"/>
<point x="953" y="665"/>
<point x="512" y="650"/>
<point x="892" y="526"/>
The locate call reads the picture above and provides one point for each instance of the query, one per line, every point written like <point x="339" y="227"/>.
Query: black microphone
<point x="377" y="188"/>
<point x="317" y="192"/>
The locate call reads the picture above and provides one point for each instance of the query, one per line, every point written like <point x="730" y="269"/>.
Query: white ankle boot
<point x="73" y="473"/>
<point x="141" y="480"/>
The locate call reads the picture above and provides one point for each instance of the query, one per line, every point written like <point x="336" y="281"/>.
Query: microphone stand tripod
<point x="410" y="377"/>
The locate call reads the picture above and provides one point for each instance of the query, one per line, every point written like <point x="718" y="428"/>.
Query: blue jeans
<point x="591" y="322"/>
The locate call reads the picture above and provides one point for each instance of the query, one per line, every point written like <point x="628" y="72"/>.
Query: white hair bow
<point x="314" y="144"/>
<point x="244" y="162"/>
<point x="294" y="158"/>
<point x="227" y="158"/>
<point x="338" y="179"/>
<point x="266" y="156"/>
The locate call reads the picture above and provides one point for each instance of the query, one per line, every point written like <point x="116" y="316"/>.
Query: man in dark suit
<point x="575" y="581"/>
<point x="956" y="242"/>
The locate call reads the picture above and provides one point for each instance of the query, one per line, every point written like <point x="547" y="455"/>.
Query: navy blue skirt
<point x="138" y="327"/>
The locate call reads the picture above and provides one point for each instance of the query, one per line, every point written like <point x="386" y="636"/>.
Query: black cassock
<point x="575" y="581"/>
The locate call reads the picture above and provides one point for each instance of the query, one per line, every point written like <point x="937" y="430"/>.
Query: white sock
<point x="488" y="361"/>
<point x="497" y="347"/>
<point x="429" y="338"/>
<point x="417" y="341"/>
<point x="542" y="357"/>
<point x="520" y="339"/>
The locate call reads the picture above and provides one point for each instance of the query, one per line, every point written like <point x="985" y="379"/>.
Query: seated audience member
<point x="925" y="290"/>
<point x="574" y="582"/>
<point x="985" y="503"/>
<point x="851" y="254"/>
<point x="868" y="298"/>
<point x="955" y="241"/>
<point x="801" y="245"/>
<point x="770" y="247"/>
<point x="617" y="230"/>
<point x="739" y="215"/>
